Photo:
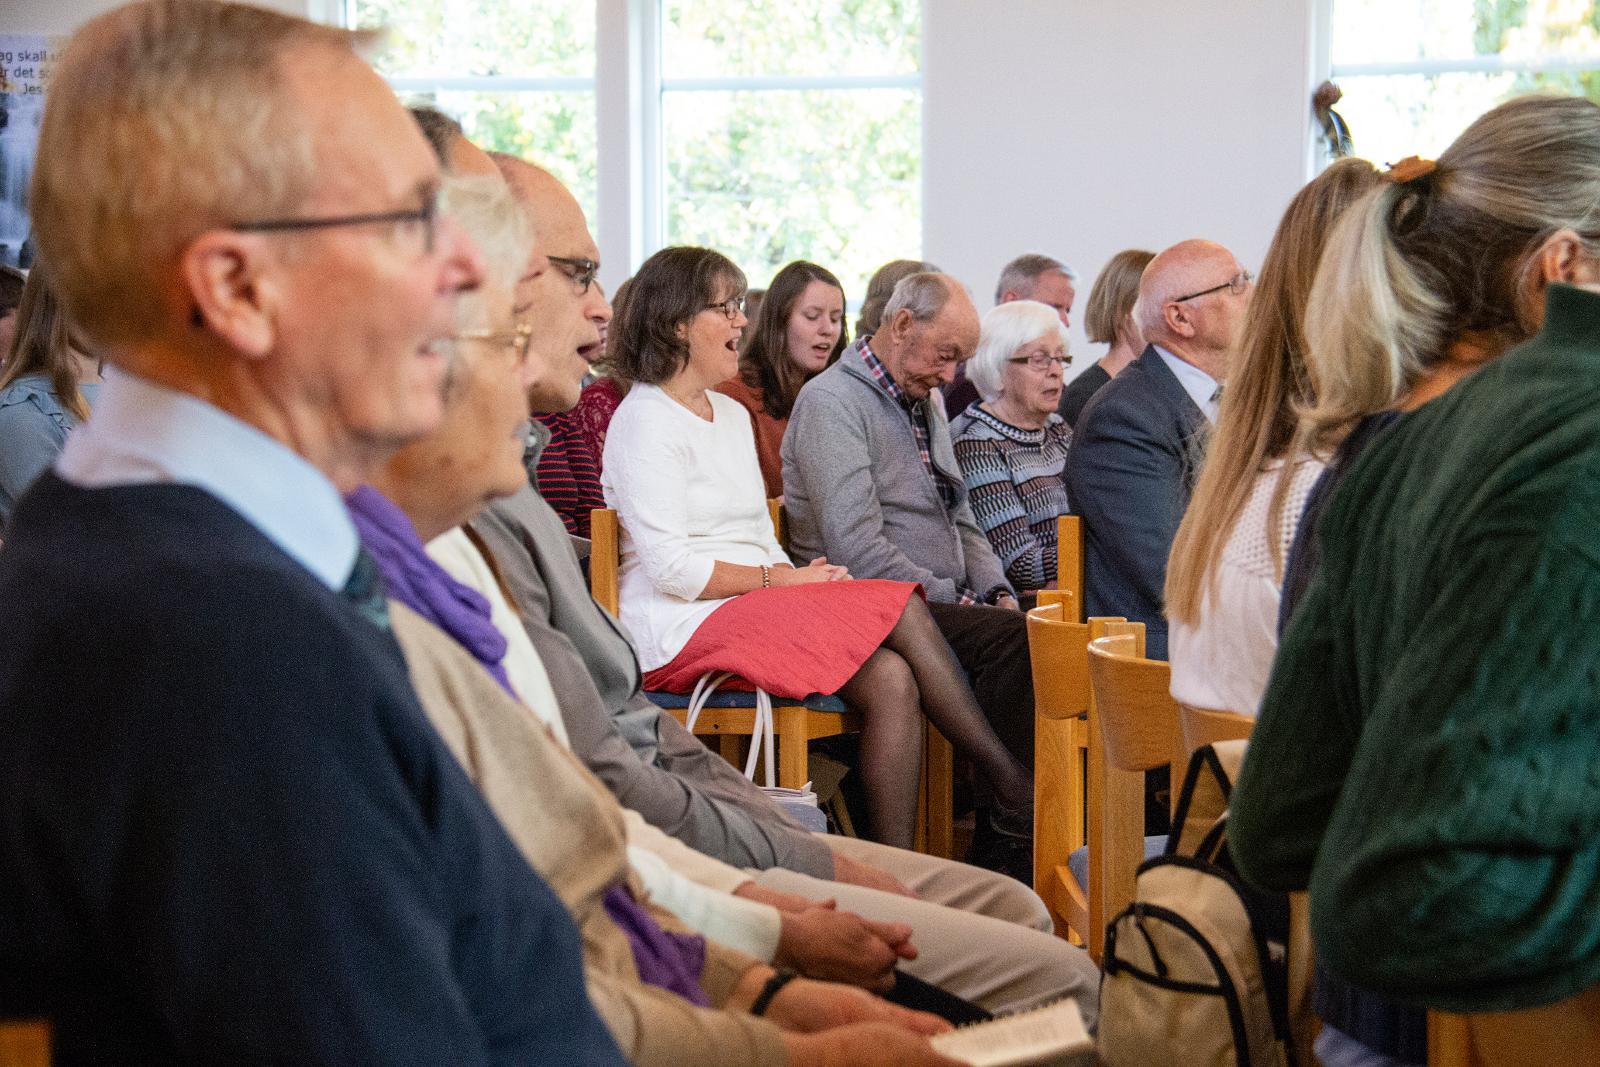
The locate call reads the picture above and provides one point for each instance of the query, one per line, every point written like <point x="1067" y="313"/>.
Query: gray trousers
<point x="980" y="935"/>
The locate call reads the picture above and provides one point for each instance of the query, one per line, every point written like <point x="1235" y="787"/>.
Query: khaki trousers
<point x="980" y="935"/>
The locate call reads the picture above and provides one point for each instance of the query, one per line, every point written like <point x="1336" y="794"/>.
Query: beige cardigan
<point x="572" y="832"/>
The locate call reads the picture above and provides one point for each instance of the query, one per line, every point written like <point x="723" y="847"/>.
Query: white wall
<point x="1073" y="127"/>
<point x="1082" y="128"/>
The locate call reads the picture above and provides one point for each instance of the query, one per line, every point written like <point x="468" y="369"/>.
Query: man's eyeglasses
<point x="517" y="340"/>
<point x="1043" y="360"/>
<point x="426" y="216"/>
<point x="581" y="271"/>
<point x="730" y="307"/>
<point x="1235" y="285"/>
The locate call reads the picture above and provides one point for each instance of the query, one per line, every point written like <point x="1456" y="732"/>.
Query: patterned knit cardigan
<point x="1014" y="481"/>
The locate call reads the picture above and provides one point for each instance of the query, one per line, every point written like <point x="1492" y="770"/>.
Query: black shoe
<point x="1000" y="850"/>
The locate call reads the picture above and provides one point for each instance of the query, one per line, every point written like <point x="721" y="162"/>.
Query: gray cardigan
<point x="647" y="759"/>
<point x="856" y="490"/>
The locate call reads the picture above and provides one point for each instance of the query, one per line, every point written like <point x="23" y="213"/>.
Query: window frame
<point x="1326" y="68"/>
<point x="629" y="92"/>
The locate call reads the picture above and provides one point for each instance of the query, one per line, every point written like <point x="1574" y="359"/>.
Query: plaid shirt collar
<point x="881" y="375"/>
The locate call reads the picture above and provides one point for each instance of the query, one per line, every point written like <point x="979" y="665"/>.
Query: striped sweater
<point x="1014" y="481"/>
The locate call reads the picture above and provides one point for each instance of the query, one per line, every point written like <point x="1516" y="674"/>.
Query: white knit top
<point x="688" y="493"/>
<point x="1223" y="662"/>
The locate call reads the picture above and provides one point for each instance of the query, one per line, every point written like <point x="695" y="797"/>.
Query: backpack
<point x="1197" y="968"/>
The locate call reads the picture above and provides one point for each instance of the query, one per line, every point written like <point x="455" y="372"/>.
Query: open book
<point x="1053" y="1034"/>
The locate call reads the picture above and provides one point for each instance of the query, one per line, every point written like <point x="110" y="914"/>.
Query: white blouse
<point x="1223" y="662"/>
<point x="688" y="493"/>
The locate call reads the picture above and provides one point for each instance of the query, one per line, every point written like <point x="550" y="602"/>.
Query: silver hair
<point x="1005" y="329"/>
<point x="924" y="294"/>
<point x="501" y="228"/>
<point x="1021" y="274"/>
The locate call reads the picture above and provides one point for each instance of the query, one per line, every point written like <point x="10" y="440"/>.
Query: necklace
<point x="700" y="405"/>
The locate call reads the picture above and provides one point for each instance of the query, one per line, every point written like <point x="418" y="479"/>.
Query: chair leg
<point x="938" y="775"/>
<point x="794" y="740"/>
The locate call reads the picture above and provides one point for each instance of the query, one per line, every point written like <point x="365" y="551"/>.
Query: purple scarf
<point x="413" y="578"/>
<point x="664" y="959"/>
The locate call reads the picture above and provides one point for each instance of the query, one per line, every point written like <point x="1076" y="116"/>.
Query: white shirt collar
<point x="1200" y="386"/>
<point x="144" y="433"/>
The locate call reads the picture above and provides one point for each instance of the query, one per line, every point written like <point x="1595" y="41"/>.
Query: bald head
<point x="1187" y="306"/>
<point x="465" y="158"/>
<point x="564" y="311"/>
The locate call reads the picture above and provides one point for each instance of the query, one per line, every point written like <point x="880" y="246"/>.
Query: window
<point x="770" y="131"/>
<point x="793" y="131"/>
<point x="1415" y="73"/>
<point x="519" y="75"/>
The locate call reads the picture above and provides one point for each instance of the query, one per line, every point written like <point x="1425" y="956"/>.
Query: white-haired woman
<point x="1011" y="444"/>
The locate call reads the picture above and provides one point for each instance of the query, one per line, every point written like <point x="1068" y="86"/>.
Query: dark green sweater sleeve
<point x="1470" y="821"/>
<point x="1299" y="752"/>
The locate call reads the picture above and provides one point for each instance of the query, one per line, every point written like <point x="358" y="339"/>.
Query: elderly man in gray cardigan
<point x="870" y="481"/>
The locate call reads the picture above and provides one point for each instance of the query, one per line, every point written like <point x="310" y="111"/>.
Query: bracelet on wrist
<point x="780" y="978"/>
<point x="766" y="576"/>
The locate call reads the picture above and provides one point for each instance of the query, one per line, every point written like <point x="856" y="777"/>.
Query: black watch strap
<point x="780" y="978"/>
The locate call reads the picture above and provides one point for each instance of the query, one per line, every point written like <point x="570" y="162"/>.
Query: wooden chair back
<point x="1069" y="568"/>
<point x="1056" y="645"/>
<point x="605" y="558"/>
<point x="1567" y="1031"/>
<point x="1069" y="768"/>
<point x="24" y="1043"/>
<point x="1134" y="701"/>
<point x="1203" y="726"/>
<point x="1133" y="727"/>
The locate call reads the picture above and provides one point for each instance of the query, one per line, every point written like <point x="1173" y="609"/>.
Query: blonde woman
<point x="1109" y="321"/>
<point x="1226" y="567"/>
<point x="1423" y="758"/>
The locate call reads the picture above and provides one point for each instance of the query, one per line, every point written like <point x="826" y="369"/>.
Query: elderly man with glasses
<point x="230" y="834"/>
<point x="1139" y="442"/>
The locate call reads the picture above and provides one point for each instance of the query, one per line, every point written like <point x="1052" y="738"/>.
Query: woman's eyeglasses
<point x="516" y="341"/>
<point x="1043" y="360"/>
<point x="730" y="307"/>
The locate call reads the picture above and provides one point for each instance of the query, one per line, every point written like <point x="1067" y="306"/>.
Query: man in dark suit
<point x="1139" y="441"/>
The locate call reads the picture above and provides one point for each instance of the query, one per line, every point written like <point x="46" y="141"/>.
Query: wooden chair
<point x="1203" y="726"/>
<point x="730" y="716"/>
<point x="1133" y="728"/>
<point x="24" y="1044"/>
<point x="1566" y="1032"/>
<point x="1068" y="783"/>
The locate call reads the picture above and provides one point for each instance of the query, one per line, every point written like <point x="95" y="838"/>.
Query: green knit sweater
<point x="1427" y="758"/>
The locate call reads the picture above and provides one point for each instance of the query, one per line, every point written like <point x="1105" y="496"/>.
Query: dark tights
<point x="913" y="673"/>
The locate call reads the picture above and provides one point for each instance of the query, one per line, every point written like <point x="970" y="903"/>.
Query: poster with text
<point x="25" y="63"/>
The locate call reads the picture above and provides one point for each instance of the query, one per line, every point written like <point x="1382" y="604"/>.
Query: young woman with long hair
<point x="46" y="388"/>
<point x="798" y="332"/>
<point x="1226" y="566"/>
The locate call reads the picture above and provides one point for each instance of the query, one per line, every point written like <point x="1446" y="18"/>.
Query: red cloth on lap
<point x="792" y="642"/>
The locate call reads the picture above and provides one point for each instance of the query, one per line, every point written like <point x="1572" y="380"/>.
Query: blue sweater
<point x="229" y="834"/>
